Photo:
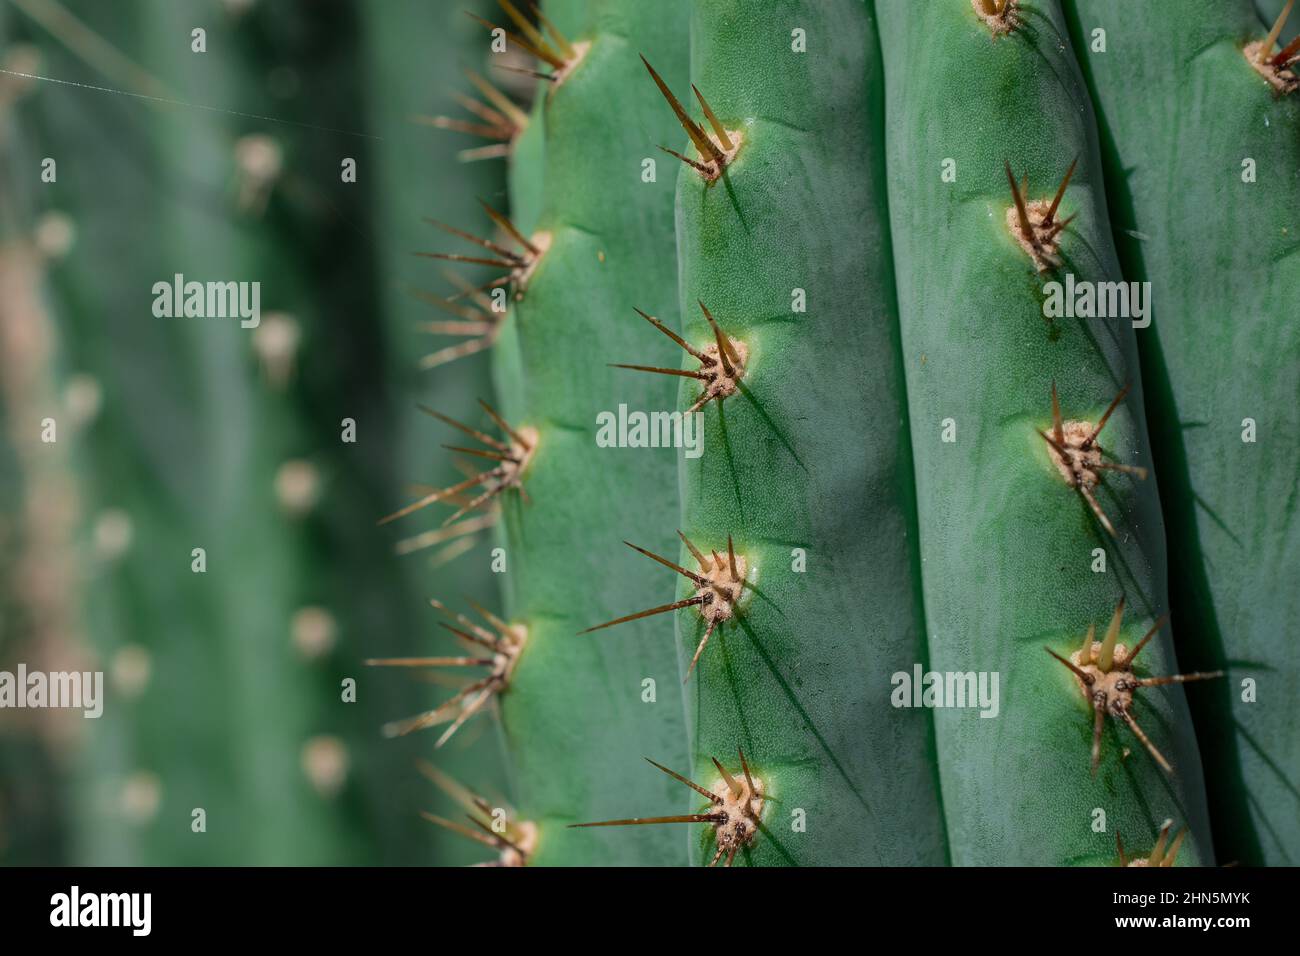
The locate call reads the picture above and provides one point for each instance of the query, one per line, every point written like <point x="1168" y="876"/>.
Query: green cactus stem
<point x="1034" y="523"/>
<point x="1203" y="171"/>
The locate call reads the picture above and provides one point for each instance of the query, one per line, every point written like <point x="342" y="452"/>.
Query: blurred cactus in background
<point x="416" y="55"/>
<point x="38" y="497"/>
<point x="202" y="530"/>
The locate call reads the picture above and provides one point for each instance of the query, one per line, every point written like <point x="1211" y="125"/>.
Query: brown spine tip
<point x="518" y="266"/>
<point x="512" y="459"/>
<point x="1288" y="54"/>
<point x="547" y="54"/>
<point x="719" y="587"/>
<point x="722" y="364"/>
<point x="547" y="44"/>
<point x="716" y="152"/>
<point x="1267" y="46"/>
<point x="1033" y="223"/>
<point x="504" y="647"/>
<point x="1080" y="460"/>
<point x="1160" y="856"/>
<point x="1060" y="193"/>
<point x="1104" y="675"/>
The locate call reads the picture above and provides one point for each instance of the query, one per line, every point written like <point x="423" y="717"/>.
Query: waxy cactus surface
<point x="921" y="607"/>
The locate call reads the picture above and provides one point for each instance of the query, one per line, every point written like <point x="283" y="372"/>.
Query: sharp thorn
<point x="702" y="582"/>
<point x="707" y="794"/>
<point x="662" y="609"/>
<point x="471" y="432"/>
<point x="718" y="128"/>
<point x="683" y="373"/>
<point x="1078" y="671"/>
<point x="1060" y="192"/>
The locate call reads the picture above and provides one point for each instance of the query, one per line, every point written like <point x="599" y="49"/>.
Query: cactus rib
<point x="1007" y="560"/>
<point x="1203" y="171"/>
<point x="806" y="459"/>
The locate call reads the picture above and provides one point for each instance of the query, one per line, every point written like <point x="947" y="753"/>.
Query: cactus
<point x="1010" y="558"/>
<point x="1215" y="129"/>
<point x="580" y="709"/>
<point x="39" y="625"/>
<point x="803" y="488"/>
<point x="609" y="249"/>
<point x="117" y="792"/>
<point x="905" y="434"/>
<point x="212" y="448"/>
<point x="817" y="306"/>
<point x="1164" y="853"/>
<point x="406" y="187"/>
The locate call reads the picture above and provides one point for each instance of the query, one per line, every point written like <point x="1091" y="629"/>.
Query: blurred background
<point x="223" y="688"/>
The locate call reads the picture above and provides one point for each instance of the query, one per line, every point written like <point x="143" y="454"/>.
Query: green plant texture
<point x="923" y="611"/>
<point x="694" y="433"/>
<point x="1225" y="435"/>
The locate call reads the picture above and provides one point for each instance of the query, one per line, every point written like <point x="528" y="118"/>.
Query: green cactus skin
<point x="574" y="720"/>
<point x="1220" y="254"/>
<point x="528" y="169"/>
<point x="962" y="552"/>
<point x="812" y="454"/>
<point x="526" y="177"/>
<point x="1006" y="544"/>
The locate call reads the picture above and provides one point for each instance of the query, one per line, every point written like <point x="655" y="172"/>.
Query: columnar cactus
<point x="805" y="474"/>
<point x="1204" y="172"/>
<point x="405" y="178"/>
<point x="819" y="380"/>
<point x="584" y="708"/>
<point x="1022" y="508"/>
<point x="222" y="665"/>
<point x="922" y="610"/>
